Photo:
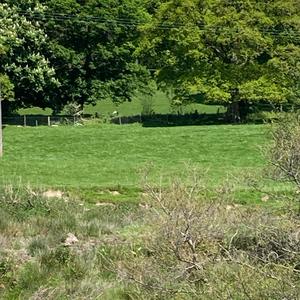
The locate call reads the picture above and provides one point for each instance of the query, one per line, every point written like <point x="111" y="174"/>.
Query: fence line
<point x="171" y="119"/>
<point x="164" y="119"/>
<point x="151" y="119"/>
<point x="37" y="120"/>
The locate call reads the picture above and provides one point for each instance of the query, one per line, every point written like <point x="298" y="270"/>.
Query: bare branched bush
<point x="199" y="248"/>
<point x="284" y="153"/>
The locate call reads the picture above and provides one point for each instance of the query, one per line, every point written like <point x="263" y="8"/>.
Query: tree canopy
<point x="226" y="52"/>
<point x="92" y="46"/>
<point x="26" y="70"/>
<point x="234" y="53"/>
<point x="62" y="51"/>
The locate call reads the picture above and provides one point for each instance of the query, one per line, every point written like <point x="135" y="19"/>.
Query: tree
<point x="233" y="53"/>
<point x="25" y="69"/>
<point x="70" y="51"/>
<point x="92" y="45"/>
<point x="7" y="88"/>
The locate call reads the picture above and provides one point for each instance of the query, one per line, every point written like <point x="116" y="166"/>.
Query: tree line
<point x="230" y="52"/>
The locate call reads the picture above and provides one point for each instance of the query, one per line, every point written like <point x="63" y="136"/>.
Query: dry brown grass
<point x="204" y="249"/>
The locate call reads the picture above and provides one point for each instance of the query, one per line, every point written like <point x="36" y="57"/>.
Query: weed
<point x="208" y="249"/>
<point x="36" y="246"/>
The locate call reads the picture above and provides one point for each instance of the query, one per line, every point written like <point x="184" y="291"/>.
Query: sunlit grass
<point x="112" y="155"/>
<point x="160" y="104"/>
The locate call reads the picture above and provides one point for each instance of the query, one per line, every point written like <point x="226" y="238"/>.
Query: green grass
<point x="160" y="104"/>
<point x="113" y="156"/>
<point x="35" y="111"/>
<point x="121" y="233"/>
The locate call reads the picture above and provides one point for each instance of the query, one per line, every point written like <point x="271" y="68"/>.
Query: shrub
<point x="198" y="248"/>
<point x="147" y="103"/>
<point x="284" y="152"/>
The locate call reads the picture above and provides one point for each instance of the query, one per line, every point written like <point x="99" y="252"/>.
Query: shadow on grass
<point x="168" y="120"/>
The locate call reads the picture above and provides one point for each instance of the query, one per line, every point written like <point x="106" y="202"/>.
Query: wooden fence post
<point x="49" y="121"/>
<point x="24" y="121"/>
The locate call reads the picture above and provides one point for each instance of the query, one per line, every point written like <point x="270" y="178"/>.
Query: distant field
<point x="112" y="155"/>
<point x="160" y="104"/>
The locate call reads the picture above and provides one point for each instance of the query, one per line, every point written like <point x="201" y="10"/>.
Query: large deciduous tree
<point x="92" y="46"/>
<point x="26" y="72"/>
<point x="228" y="52"/>
<point x="62" y="51"/>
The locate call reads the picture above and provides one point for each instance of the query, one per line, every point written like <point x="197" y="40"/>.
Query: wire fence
<point x="40" y="120"/>
<point x="147" y="120"/>
<point x="153" y="119"/>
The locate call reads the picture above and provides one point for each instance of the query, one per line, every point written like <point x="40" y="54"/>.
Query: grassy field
<point x="76" y="222"/>
<point x="111" y="155"/>
<point x="160" y="104"/>
<point x="94" y="160"/>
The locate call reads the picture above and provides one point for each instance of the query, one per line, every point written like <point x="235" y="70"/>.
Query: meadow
<point x="103" y="211"/>
<point x="111" y="156"/>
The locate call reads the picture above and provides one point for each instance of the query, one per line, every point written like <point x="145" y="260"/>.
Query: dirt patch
<point x="53" y="194"/>
<point x="114" y="193"/>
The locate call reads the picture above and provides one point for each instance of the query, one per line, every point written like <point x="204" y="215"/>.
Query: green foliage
<point x="231" y="53"/>
<point x="92" y="49"/>
<point x="23" y="58"/>
<point x="6" y="88"/>
<point x="56" y="52"/>
<point x="226" y="51"/>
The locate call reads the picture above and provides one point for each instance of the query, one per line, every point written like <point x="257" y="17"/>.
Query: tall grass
<point x="180" y="242"/>
<point x="35" y="260"/>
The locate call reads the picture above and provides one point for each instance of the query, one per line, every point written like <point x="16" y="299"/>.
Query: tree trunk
<point x="233" y="112"/>
<point x="237" y="111"/>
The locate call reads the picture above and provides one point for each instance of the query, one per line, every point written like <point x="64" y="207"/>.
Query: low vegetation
<point x="52" y="246"/>
<point x="285" y="151"/>
<point x="71" y="230"/>
<point x="207" y="247"/>
<point x="181" y="241"/>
